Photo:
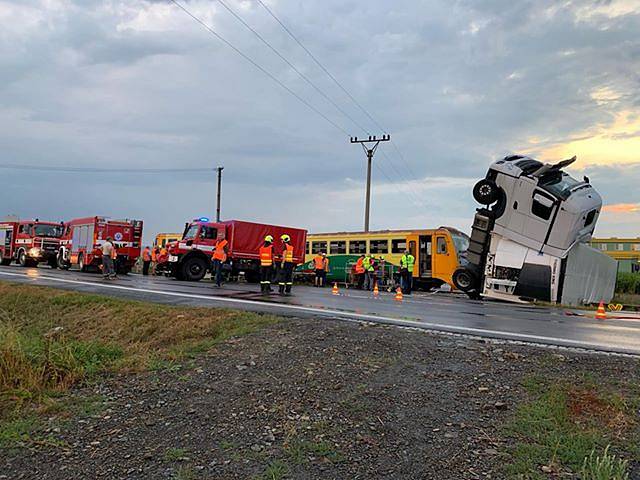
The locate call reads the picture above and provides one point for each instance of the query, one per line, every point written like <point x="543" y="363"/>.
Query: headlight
<point x="34" y="252"/>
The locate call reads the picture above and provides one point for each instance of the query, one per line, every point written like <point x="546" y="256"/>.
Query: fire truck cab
<point x="83" y="238"/>
<point x="29" y="242"/>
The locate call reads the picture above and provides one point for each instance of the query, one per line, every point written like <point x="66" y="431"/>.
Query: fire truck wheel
<point x="3" y="260"/>
<point x="464" y="279"/>
<point x="62" y="265"/>
<point x="53" y="262"/>
<point x="485" y="192"/>
<point x="23" y="260"/>
<point x="83" y="267"/>
<point x="194" y="269"/>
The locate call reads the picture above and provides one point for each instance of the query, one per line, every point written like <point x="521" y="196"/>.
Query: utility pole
<point x="369" y="152"/>
<point x="219" y="169"/>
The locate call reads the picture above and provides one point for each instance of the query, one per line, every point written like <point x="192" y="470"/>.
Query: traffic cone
<point x="376" y="292"/>
<point x="601" y="314"/>
<point x="334" y="290"/>
<point x="398" y="296"/>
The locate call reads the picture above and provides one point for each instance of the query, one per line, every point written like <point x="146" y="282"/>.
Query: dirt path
<point x="310" y="400"/>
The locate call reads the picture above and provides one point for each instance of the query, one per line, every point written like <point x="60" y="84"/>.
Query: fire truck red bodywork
<point x="83" y="238"/>
<point x="29" y="242"/>
<point x="190" y="258"/>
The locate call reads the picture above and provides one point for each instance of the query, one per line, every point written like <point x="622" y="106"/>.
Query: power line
<point x="322" y="66"/>
<point x="295" y="69"/>
<point x="353" y="99"/>
<point x="15" y="166"/>
<point x="258" y="66"/>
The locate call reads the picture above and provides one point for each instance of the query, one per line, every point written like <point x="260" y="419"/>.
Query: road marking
<point x="350" y="316"/>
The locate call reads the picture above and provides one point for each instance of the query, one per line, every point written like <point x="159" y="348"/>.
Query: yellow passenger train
<point x="162" y="239"/>
<point x="438" y="252"/>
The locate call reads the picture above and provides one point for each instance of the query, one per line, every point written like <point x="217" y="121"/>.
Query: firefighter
<point x="146" y="260"/>
<point x="369" y="272"/>
<point x="266" y="264"/>
<point x="154" y="259"/>
<point x="406" y="272"/>
<point x="287" y="266"/>
<point x="107" y="262"/>
<point x="359" y="271"/>
<point x="219" y="257"/>
<point x="321" y="266"/>
<point x="114" y="258"/>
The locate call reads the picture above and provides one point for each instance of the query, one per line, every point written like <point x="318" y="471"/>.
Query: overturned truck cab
<point x="529" y="241"/>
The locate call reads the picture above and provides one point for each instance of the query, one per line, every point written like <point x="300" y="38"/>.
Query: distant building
<point x="625" y="250"/>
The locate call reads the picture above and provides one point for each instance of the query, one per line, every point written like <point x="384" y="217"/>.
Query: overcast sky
<point x="139" y="84"/>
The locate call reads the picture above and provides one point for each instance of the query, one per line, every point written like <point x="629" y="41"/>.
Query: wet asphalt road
<point x="443" y="312"/>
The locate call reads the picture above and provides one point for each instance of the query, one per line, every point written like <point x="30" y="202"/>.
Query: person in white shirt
<point x="107" y="262"/>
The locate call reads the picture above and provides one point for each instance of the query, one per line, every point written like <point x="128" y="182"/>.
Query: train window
<point x="378" y="246"/>
<point x="337" y="247"/>
<point x="308" y="250"/>
<point x="318" y="247"/>
<point x="442" y="245"/>
<point x="357" y="247"/>
<point x="398" y="245"/>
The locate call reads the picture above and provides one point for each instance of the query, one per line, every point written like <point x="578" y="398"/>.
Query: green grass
<point x="604" y="467"/>
<point x="563" y="425"/>
<point x="276" y="470"/>
<point x="52" y="340"/>
<point x="175" y="454"/>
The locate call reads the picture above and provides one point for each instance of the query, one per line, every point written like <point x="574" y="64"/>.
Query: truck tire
<point x="25" y="261"/>
<point x="4" y="260"/>
<point x="53" y="262"/>
<point x="194" y="269"/>
<point x="83" y="267"/>
<point x="485" y="192"/>
<point x="62" y="265"/>
<point x="465" y="280"/>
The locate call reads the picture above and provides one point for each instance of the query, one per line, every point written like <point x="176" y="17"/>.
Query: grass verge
<point x="575" y="428"/>
<point x="51" y="340"/>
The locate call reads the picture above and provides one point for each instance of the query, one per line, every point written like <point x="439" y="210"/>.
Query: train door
<point x="424" y="259"/>
<point x="445" y="258"/>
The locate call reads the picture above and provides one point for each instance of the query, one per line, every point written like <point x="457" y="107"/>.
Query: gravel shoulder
<point x="307" y="399"/>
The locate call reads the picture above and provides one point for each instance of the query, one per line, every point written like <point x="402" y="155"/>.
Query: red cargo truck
<point x="190" y="258"/>
<point x="83" y="238"/>
<point x="29" y="242"/>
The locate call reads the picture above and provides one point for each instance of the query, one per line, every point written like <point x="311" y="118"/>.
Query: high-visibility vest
<point x="114" y="253"/>
<point x="146" y="255"/>
<point x="154" y="255"/>
<point x="266" y="256"/>
<point x="287" y="254"/>
<point x="366" y="263"/>
<point x="359" y="265"/>
<point x="407" y="261"/>
<point x="318" y="262"/>
<point x="219" y="253"/>
<point x="163" y="252"/>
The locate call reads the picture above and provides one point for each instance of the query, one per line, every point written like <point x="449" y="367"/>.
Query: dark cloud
<point x="134" y="83"/>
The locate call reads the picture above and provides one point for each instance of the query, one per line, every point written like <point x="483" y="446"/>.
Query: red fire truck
<point x="29" y="242"/>
<point x="83" y="238"/>
<point x="190" y="258"/>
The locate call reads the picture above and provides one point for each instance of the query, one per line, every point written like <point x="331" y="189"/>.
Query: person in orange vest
<point x="146" y="260"/>
<point x="219" y="257"/>
<point x="321" y="266"/>
<point x="266" y="264"/>
<point x="287" y="266"/>
<point x="360" y="271"/>
<point x="154" y="259"/>
<point x="114" y="259"/>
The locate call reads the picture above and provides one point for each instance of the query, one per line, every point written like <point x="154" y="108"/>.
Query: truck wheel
<point x="485" y="192"/>
<point x="4" y="260"/>
<point x="465" y="280"/>
<point x="23" y="261"/>
<point x="83" y="267"/>
<point x="53" y="262"/>
<point x="194" y="269"/>
<point x="62" y="265"/>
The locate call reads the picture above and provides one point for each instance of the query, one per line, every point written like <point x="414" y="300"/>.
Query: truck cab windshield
<point x="461" y="243"/>
<point x="559" y="185"/>
<point x="54" y="231"/>
<point x="191" y="231"/>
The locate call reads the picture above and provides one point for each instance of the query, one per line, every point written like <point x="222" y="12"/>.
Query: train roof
<point x="388" y="232"/>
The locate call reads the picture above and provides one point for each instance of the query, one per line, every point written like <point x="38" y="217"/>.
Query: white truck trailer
<point x="529" y="241"/>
